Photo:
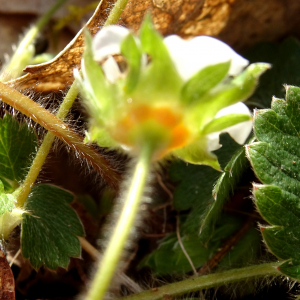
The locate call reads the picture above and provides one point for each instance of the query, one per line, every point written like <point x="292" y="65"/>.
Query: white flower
<point x="188" y="56"/>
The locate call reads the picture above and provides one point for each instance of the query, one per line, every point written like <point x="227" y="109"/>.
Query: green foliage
<point x="285" y="60"/>
<point x="17" y="146"/>
<point x="50" y="228"/>
<point x="275" y="159"/>
<point x="196" y="184"/>
<point x="6" y="201"/>
<point x="170" y="259"/>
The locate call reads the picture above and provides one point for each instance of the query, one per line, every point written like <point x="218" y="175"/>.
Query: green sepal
<point x="95" y="89"/>
<point x="224" y="122"/>
<point x="18" y="144"/>
<point x="133" y="55"/>
<point x="160" y="79"/>
<point x="203" y="81"/>
<point x="226" y="94"/>
<point x="99" y="135"/>
<point x="197" y="153"/>
<point x="50" y="228"/>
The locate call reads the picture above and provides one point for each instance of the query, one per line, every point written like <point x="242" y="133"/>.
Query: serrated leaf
<point x="275" y="159"/>
<point x="51" y="228"/>
<point x="17" y="145"/>
<point x="197" y="182"/>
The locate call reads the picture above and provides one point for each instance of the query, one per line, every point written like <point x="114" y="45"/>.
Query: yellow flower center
<point x="163" y="125"/>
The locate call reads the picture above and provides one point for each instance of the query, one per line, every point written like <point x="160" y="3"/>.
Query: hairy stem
<point x="116" y="12"/>
<point x="196" y="284"/>
<point x="53" y="124"/>
<point x="45" y="148"/>
<point x="19" y="60"/>
<point x="113" y="252"/>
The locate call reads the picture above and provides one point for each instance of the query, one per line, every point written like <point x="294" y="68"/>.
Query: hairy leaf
<point x="275" y="159"/>
<point x="17" y="144"/>
<point x="51" y="228"/>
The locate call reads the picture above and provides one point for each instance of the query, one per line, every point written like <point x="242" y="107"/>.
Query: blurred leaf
<point x="285" y="60"/>
<point x="244" y="251"/>
<point x="168" y="258"/>
<point x="275" y="159"/>
<point x="50" y="229"/>
<point x="196" y="182"/>
<point x="17" y="145"/>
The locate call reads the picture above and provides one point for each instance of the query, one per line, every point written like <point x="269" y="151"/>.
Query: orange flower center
<point x="152" y="121"/>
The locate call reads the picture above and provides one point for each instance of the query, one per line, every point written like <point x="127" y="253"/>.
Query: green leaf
<point x="203" y="82"/>
<point x="170" y="259"/>
<point x="6" y="201"/>
<point x="196" y="183"/>
<point x="244" y="252"/>
<point x="18" y="144"/>
<point x="51" y="228"/>
<point x="285" y="60"/>
<point x="275" y="160"/>
<point x="133" y="55"/>
<point x="222" y="190"/>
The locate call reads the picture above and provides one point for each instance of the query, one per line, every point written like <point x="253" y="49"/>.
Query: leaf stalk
<point x="196" y="284"/>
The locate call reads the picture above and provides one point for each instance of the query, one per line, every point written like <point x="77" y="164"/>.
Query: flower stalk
<point x="196" y="284"/>
<point x="113" y="252"/>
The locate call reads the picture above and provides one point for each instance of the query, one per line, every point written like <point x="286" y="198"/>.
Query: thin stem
<point x="35" y="169"/>
<point x="196" y="284"/>
<point x="111" y="257"/>
<point x="18" y="60"/>
<point x="45" y="147"/>
<point x="182" y="246"/>
<point x="50" y="122"/>
<point x="95" y="254"/>
<point x="116" y="12"/>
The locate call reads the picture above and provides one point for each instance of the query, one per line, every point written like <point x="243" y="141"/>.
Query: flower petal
<point x="190" y="56"/>
<point x="238" y="132"/>
<point x="111" y="70"/>
<point x="108" y="41"/>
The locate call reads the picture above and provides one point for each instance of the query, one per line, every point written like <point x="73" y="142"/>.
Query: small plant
<point x="157" y="100"/>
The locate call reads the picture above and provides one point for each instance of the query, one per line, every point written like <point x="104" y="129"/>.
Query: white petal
<point x="111" y="70"/>
<point x="237" y="108"/>
<point x="238" y="132"/>
<point x="192" y="55"/>
<point x="108" y="41"/>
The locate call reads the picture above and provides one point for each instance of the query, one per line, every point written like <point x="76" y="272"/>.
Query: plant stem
<point x="116" y="12"/>
<point x="18" y="61"/>
<point x="111" y="257"/>
<point x="50" y="122"/>
<point x="45" y="148"/>
<point x="196" y="284"/>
